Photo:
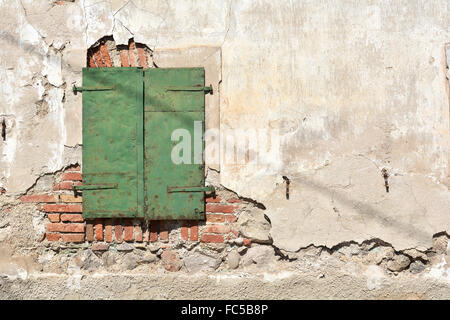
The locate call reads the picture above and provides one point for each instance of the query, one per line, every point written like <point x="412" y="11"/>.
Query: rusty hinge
<point x="206" y="90"/>
<point x="76" y="89"/>
<point x="191" y="189"/>
<point x="95" y="186"/>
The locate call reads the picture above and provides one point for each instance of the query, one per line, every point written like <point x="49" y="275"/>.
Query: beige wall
<point x="352" y="88"/>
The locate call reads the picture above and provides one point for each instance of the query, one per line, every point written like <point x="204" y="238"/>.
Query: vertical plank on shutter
<point x="113" y="142"/>
<point x="165" y="111"/>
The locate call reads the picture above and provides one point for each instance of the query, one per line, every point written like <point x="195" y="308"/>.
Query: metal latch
<point x="206" y="90"/>
<point x="95" y="186"/>
<point x="191" y="189"/>
<point x="76" y="89"/>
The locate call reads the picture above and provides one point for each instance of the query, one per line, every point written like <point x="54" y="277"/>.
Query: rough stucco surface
<point x="351" y="87"/>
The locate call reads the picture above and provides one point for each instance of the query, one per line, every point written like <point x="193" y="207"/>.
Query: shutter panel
<point x="174" y="99"/>
<point x="112" y="142"/>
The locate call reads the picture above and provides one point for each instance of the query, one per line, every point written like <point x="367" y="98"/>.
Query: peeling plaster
<point x="352" y="89"/>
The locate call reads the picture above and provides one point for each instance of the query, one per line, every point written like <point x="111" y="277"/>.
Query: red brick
<point x="71" y="217"/>
<point x="39" y="198"/>
<point x="137" y="233"/>
<point x="128" y="231"/>
<point x="215" y="218"/>
<point x="66" y="185"/>
<point x="142" y="57"/>
<point x="63" y="208"/>
<point x="108" y="230"/>
<point x="98" y="58"/>
<point x="98" y="229"/>
<point x="212" y="238"/>
<point x="185" y="232"/>
<point x="212" y="199"/>
<point x="163" y="231"/>
<point x="234" y="200"/>
<point x="230" y="218"/>
<point x="70" y="198"/>
<point x="105" y="55"/>
<point x="154" y="231"/>
<point x="223" y="208"/>
<point x="118" y="230"/>
<point x="89" y="232"/>
<point x="194" y="230"/>
<point x="216" y="228"/>
<point x="131" y="54"/>
<point x="53" y="236"/>
<point x="53" y="217"/>
<point x="73" y="237"/>
<point x="65" y="227"/>
<point x="76" y="176"/>
<point x="247" y="242"/>
<point x="124" y="58"/>
<point x="91" y="61"/>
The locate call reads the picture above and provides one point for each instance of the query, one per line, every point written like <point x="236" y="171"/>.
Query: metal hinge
<point x="76" y="89"/>
<point x="191" y="189"/>
<point x="95" y="186"/>
<point x="206" y="90"/>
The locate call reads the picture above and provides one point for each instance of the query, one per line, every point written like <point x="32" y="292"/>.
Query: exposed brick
<point x="52" y="236"/>
<point x="71" y="217"/>
<point x="65" y="227"/>
<point x="98" y="58"/>
<point x="89" y="232"/>
<point x="91" y="61"/>
<point x="154" y="231"/>
<point x="128" y="230"/>
<point x="63" y="208"/>
<point x="247" y="242"/>
<point x="212" y="238"/>
<point x="53" y="217"/>
<point x="108" y="230"/>
<point x="163" y="231"/>
<point x="216" y="228"/>
<point x="234" y="200"/>
<point x="185" y="232"/>
<point x="66" y="185"/>
<point x="39" y="198"/>
<point x="118" y="230"/>
<point x="215" y="218"/>
<point x="212" y="199"/>
<point x="70" y="198"/>
<point x="76" y="176"/>
<point x="124" y="58"/>
<point x="230" y="218"/>
<point x="223" y="208"/>
<point x="137" y="233"/>
<point x="98" y="229"/>
<point x="194" y="230"/>
<point x="74" y="237"/>
<point x="131" y="54"/>
<point x="142" y="57"/>
<point x="105" y="55"/>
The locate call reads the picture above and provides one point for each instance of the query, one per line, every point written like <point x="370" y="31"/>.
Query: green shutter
<point x="112" y="142"/>
<point x="174" y="99"/>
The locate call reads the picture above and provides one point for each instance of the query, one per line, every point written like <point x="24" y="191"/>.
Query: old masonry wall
<point x="357" y="95"/>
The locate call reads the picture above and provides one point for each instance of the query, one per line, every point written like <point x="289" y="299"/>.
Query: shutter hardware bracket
<point x="76" y="89"/>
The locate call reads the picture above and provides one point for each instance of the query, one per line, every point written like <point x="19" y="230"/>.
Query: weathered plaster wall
<point x="351" y="87"/>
